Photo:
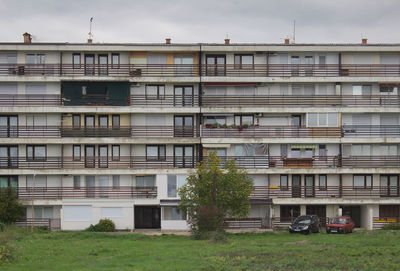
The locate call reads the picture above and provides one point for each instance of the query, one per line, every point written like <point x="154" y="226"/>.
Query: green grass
<point x="41" y="250"/>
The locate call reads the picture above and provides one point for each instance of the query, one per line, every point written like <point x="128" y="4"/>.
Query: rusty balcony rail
<point x="301" y="100"/>
<point x="48" y="223"/>
<point x="138" y="100"/>
<point x="82" y="192"/>
<point x="30" y="100"/>
<point x="191" y="70"/>
<point x="370" y="130"/>
<point x="165" y="131"/>
<point x="270" y="131"/>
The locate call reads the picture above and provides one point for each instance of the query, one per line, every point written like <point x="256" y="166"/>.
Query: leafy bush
<point x="2" y="226"/>
<point x="391" y="226"/>
<point x="104" y="225"/>
<point x="10" y="209"/>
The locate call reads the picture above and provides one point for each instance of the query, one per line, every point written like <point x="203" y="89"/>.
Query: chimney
<point x="27" y="38"/>
<point x="167" y="40"/>
<point x="287" y="41"/>
<point x="89" y="41"/>
<point x="227" y="41"/>
<point x="364" y="41"/>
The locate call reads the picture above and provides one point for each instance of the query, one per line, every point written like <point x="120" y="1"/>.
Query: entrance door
<point x="183" y="126"/>
<point x="389" y="185"/>
<point x="183" y="156"/>
<point x="318" y="210"/>
<point x="147" y="217"/>
<point x="296" y="186"/>
<point x="183" y="96"/>
<point x="215" y="65"/>
<point x="8" y="126"/>
<point x="354" y="212"/>
<point x="89" y="156"/>
<point x="309" y="186"/>
<point x="89" y="64"/>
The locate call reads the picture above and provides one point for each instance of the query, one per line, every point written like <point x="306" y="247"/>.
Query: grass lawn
<point x="375" y="250"/>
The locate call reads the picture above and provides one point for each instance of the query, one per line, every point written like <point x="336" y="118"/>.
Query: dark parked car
<point x="305" y="224"/>
<point x="340" y="224"/>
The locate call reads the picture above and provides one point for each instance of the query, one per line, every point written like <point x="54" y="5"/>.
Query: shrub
<point x="10" y="209"/>
<point x="391" y="226"/>
<point x="104" y="225"/>
<point x="2" y="226"/>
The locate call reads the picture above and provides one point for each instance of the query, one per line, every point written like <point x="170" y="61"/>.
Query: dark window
<point x="244" y="120"/>
<point x="322" y="182"/>
<point x="244" y="61"/>
<point x="115" y="181"/>
<point x="284" y="183"/>
<point x="77" y="182"/>
<point x="8" y="181"/>
<point x="362" y="181"/>
<point x="76" y="60"/>
<point x="36" y="152"/>
<point x="77" y="152"/>
<point x="115" y="152"/>
<point x="155" y="152"/>
<point x="115" y="61"/>
<point x="155" y="92"/>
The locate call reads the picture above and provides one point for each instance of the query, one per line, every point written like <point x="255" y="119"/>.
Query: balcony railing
<point x="303" y="100"/>
<point x="112" y="192"/>
<point x="379" y="222"/>
<point x="30" y="100"/>
<point x="48" y="223"/>
<point x="271" y="131"/>
<point x="370" y="130"/>
<point x="138" y="100"/>
<point x="255" y="162"/>
<point x="244" y="70"/>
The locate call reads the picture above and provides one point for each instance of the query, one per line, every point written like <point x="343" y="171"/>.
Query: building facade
<point x="91" y="131"/>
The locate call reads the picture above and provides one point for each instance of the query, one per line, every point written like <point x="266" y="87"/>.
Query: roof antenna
<point x="90" y="39"/>
<point x="294" y="31"/>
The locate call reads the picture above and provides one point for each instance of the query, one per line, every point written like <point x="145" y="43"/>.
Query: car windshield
<point x="339" y="220"/>
<point x="302" y="220"/>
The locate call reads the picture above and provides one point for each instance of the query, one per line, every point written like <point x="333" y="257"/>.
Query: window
<point x="388" y="88"/>
<point x="322" y="61"/>
<point x="115" y="152"/>
<point x="76" y="121"/>
<point x="244" y="120"/>
<point x="115" y="181"/>
<point x="362" y="181"/>
<point x="103" y="121"/>
<point x="388" y="149"/>
<point x="155" y="92"/>
<point x="284" y="182"/>
<point x="244" y="61"/>
<point x="322" y="120"/>
<point x="76" y="60"/>
<point x="76" y="153"/>
<point x="77" y="182"/>
<point x="89" y="121"/>
<point x="215" y="120"/>
<point x="322" y="182"/>
<point x="115" y="61"/>
<point x="360" y="150"/>
<point x="115" y="121"/>
<point x="155" y="152"/>
<point x="173" y="213"/>
<point x="220" y="152"/>
<point x="35" y="59"/>
<point x="38" y="181"/>
<point x="146" y="181"/>
<point x="295" y="153"/>
<point x="362" y="89"/>
<point x="175" y="182"/>
<point x="36" y="152"/>
<point x="8" y="181"/>
<point x="43" y="212"/>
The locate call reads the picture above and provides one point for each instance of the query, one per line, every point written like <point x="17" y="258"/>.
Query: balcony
<point x="55" y="193"/>
<point x="164" y="101"/>
<point x="191" y="70"/>
<point x="302" y="101"/>
<point x="30" y="100"/>
<point x="371" y="130"/>
<point x="256" y="131"/>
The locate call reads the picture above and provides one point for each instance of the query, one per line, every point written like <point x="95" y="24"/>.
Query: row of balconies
<point x="195" y="70"/>
<point x="206" y="131"/>
<point x="211" y="101"/>
<point x="167" y="162"/>
<point x="259" y="192"/>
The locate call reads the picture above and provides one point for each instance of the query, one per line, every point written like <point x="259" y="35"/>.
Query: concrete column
<point x="302" y="209"/>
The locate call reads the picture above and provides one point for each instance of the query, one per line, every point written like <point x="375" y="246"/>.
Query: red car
<point x="340" y="224"/>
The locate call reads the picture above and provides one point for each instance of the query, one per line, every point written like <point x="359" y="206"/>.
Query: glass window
<point x="36" y="152"/>
<point x="115" y="152"/>
<point x="155" y="92"/>
<point x="145" y="181"/>
<point x="103" y="121"/>
<point x="244" y="120"/>
<point x="215" y="120"/>
<point x="295" y="153"/>
<point x="172" y="187"/>
<point x="115" y="61"/>
<point x="156" y="152"/>
<point x="322" y="119"/>
<point x="115" y="181"/>
<point x="77" y="152"/>
<point x="362" y="181"/>
<point x="173" y="213"/>
<point x="77" y="182"/>
<point x="284" y="182"/>
<point x="115" y="121"/>
<point x="244" y="61"/>
<point x="322" y="182"/>
<point x="76" y="61"/>
<point x="76" y="121"/>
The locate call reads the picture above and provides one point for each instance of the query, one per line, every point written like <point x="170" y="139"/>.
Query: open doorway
<point x="147" y="217"/>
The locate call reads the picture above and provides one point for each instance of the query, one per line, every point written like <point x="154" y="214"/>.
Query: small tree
<point x="10" y="209"/>
<point x="213" y="193"/>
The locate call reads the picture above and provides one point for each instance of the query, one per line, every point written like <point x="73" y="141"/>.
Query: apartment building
<point x="91" y="131"/>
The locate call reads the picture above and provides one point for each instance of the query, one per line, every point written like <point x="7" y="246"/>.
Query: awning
<point x="303" y="146"/>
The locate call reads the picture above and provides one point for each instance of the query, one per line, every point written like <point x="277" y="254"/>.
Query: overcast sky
<point x="201" y="20"/>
